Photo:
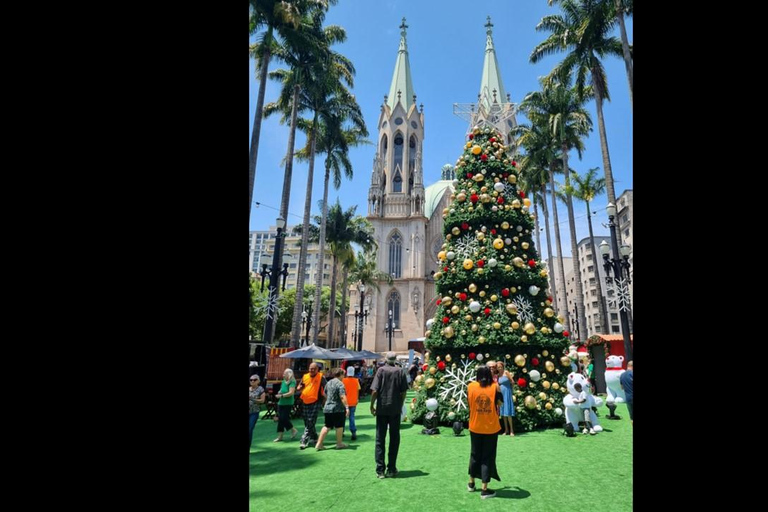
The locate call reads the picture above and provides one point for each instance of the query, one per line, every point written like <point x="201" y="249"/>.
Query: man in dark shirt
<point x="388" y="394"/>
<point x="627" y="380"/>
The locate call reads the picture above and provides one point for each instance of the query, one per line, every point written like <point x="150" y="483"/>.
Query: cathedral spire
<point x="491" y="88"/>
<point x="401" y="90"/>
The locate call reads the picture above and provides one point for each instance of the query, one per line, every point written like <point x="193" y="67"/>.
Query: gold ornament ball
<point x="529" y="328"/>
<point x="455" y="230"/>
<point x="446" y="301"/>
<point x="496" y="325"/>
<point x="448" y="357"/>
<point x="520" y="360"/>
<point x="448" y="332"/>
<point x="480" y="271"/>
<point x="430" y="383"/>
<point x="419" y="378"/>
<point x="438" y="275"/>
<point x="524" y="338"/>
<point x="481" y="339"/>
<point x="511" y="309"/>
<point x="498" y="244"/>
<point x="549" y="365"/>
<point x="467" y="264"/>
<point x="494" y="298"/>
<point x="441" y="255"/>
<point x="468" y="318"/>
<point x="512" y="178"/>
<point x="548" y="406"/>
<point x="461" y="197"/>
<point x="544" y="273"/>
<point x="481" y="236"/>
<point x="545" y="353"/>
<point x="515" y="325"/>
<point x="455" y="310"/>
<point x="530" y="402"/>
<point x="472" y="288"/>
<point x="474" y="326"/>
<point x="565" y="361"/>
<point x="432" y="370"/>
<point x="527" y="202"/>
<point x="545" y="384"/>
<point x="516" y="203"/>
<point x="543" y="395"/>
<point x="555" y="386"/>
<point x="482" y="293"/>
<point x="476" y="150"/>
<point x="505" y="225"/>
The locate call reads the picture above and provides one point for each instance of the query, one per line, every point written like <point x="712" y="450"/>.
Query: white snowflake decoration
<point x="269" y="306"/>
<point x="509" y="192"/>
<point x="623" y="295"/>
<point x="524" y="309"/>
<point x="456" y="382"/>
<point x="466" y="246"/>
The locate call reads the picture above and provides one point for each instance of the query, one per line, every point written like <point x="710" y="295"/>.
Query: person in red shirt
<point x="484" y="399"/>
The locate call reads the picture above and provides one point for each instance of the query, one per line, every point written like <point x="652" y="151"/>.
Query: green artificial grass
<point x="540" y="471"/>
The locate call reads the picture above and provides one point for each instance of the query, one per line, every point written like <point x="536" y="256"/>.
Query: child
<point x="584" y="405"/>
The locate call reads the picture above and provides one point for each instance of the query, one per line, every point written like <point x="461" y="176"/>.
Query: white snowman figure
<point x="573" y="411"/>
<point x="613" y="371"/>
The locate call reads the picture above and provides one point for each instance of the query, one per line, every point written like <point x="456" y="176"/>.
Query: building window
<point x="592" y="281"/>
<point x="589" y="256"/>
<point x="614" y="317"/>
<point x="293" y="265"/>
<point x="398" y="160"/>
<point x="615" y="329"/>
<point x="591" y="268"/>
<point x="593" y="292"/>
<point x="325" y="266"/>
<point x="397" y="183"/>
<point x="411" y="154"/>
<point x="594" y="304"/>
<point x="393" y="305"/>
<point x="326" y="276"/>
<point x="306" y="277"/>
<point x="395" y="255"/>
<point x="625" y="218"/>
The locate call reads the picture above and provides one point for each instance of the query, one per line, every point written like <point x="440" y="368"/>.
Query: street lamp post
<point x="306" y="321"/>
<point x="274" y="275"/>
<point x="620" y="266"/>
<point x="362" y="315"/>
<point x="390" y="329"/>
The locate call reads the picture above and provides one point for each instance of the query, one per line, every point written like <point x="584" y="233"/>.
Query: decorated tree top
<point x="491" y="284"/>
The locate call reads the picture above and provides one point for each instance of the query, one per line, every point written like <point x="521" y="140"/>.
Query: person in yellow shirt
<point x="484" y="398"/>
<point x="352" y="387"/>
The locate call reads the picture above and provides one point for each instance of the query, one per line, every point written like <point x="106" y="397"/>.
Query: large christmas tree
<point x="491" y="292"/>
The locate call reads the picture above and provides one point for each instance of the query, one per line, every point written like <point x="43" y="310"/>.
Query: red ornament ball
<point x="549" y="298"/>
<point x="531" y="263"/>
<point x="471" y="136"/>
<point x="469" y="175"/>
<point x="463" y="296"/>
<point x="438" y="301"/>
<point x="514" y="164"/>
<point x="566" y="333"/>
<point x="505" y="292"/>
<point x="493" y="231"/>
<point x="474" y="198"/>
<point x="493" y="139"/>
<point x="441" y="366"/>
<point x="481" y="263"/>
<point x="425" y="368"/>
<point x="483" y="157"/>
<point x="471" y="355"/>
<point x="534" y="361"/>
<point x="464" y="226"/>
<point x="487" y="311"/>
<point x="522" y="194"/>
<point x="445" y="269"/>
<point x="500" y="200"/>
<point x="521" y="382"/>
<point x="446" y="319"/>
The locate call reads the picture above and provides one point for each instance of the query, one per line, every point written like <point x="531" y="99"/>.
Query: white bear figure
<point x="573" y="411"/>
<point x="613" y="371"/>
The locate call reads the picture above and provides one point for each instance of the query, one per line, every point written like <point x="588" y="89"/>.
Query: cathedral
<point x="407" y="217"/>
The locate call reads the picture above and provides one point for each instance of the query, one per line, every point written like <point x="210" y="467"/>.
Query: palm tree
<point x="316" y="71"/>
<point x="582" y="31"/>
<point x="563" y="110"/>
<point x="277" y="16"/>
<point x="344" y="229"/>
<point x="587" y="187"/>
<point x="366" y="271"/>
<point x="335" y="140"/>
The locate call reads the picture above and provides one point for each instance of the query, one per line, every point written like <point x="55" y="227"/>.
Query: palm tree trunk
<point x="604" y="325"/>
<point x="604" y="144"/>
<point x="319" y="277"/>
<point x="297" y="307"/>
<point x="549" y="245"/>
<point x="561" y="268"/>
<point x="332" y="314"/>
<point x="343" y="321"/>
<point x="581" y="319"/>
<point x="254" y="152"/>
<point x="625" y="48"/>
<point x="278" y="260"/>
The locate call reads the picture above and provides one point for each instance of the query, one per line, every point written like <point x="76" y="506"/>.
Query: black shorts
<point x="335" y="419"/>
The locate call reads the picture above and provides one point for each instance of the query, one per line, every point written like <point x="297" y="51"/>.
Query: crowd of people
<point x="491" y="409"/>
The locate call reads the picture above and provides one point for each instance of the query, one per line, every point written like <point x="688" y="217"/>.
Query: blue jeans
<point x="252" y="424"/>
<point x="352" y="426"/>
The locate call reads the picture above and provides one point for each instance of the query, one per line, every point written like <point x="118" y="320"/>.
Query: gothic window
<point x="393" y="305"/>
<point x="397" y="183"/>
<point x="395" y="255"/>
<point x="383" y="151"/>
<point x="437" y="246"/>
<point x="411" y="154"/>
<point x="398" y="161"/>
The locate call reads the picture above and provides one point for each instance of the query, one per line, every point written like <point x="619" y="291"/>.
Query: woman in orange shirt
<point x="484" y="398"/>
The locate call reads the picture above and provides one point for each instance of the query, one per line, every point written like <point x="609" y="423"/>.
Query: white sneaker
<point x="592" y="431"/>
<point x="584" y="431"/>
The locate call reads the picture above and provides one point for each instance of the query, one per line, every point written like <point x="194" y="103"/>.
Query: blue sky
<point x="446" y="43"/>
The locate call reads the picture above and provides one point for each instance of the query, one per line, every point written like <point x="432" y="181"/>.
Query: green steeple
<point x="402" y="87"/>
<point x="491" y="76"/>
